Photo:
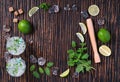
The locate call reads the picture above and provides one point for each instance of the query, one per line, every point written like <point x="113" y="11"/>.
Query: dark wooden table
<point x="53" y="34"/>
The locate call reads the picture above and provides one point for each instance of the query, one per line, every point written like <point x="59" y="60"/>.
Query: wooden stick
<point x="92" y="39"/>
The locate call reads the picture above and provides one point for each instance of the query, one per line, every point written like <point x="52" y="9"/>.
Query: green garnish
<point x="44" y="6"/>
<point x="79" y="57"/>
<point x="36" y="74"/>
<point x="32" y="67"/>
<point x="41" y="70"/>
<point x="50" y="64"/>
<point x="47" y="71"/>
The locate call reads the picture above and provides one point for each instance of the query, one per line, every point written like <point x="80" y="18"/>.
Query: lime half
<point x="93" y="10"/>
<point x="83" y="27"/>
<point x="65" y="73"/>
<point x="105" y="50"/>
<point x="33" y="11"/>
<point x="80" y="36"/>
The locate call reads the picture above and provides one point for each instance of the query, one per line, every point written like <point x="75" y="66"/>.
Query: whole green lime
<point x="104" y="35"/>
<point x="24" y="26"/>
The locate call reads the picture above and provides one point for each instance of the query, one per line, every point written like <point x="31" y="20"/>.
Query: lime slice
<point x="65" y="73"/>
<point x="93" y="10"/>
<point x="105" y="50"/>
<point x="83" y="27"/>
<point x="33" y="11"/>
<point x="80" y="36"/>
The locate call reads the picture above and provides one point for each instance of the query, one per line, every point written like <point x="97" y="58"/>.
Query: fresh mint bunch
<point x="78" y="57"/>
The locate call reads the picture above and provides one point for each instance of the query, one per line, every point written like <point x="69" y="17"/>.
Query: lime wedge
<point x="83" y="27"/>
<point x="65" y="73"/>
<point x="105" y="50"/>
<point x="33" y="11"/>
<point x="93" y="10"/>
<point x="80" y="36"/>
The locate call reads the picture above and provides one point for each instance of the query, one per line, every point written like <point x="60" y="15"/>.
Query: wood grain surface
<point x="53" y="34"/>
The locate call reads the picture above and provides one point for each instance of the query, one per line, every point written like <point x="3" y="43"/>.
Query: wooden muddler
<point x="93" y="40"/>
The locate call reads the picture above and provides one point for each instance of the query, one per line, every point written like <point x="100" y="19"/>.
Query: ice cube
<point x="7" y="56"/>
<point x="41" y="61"/>
<point x="55" y="71"/>
<point x="75" y="75"/>
<point x="6" y="28"/>
<point x="101" y="21"/>
<point x="54" y="9"/>
<point x="33" y="59"/>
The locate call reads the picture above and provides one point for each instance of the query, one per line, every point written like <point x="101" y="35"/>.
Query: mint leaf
<point x="47" y="71"/>
<point x="82" y="44"/>
<point x="50" y="64"/>
<point x="32" y="67"/>
<point x="79" y="68"/>
<point x="73" y="44"/>
<point x="36" y="74"/>
<point x="88" y="68"/>
<point x="41" y="70"/>
<point x="85" y="56"/>
<point x="71" y="55"/>
<point x="70" y="63"/>
<point x="70" y="51"/>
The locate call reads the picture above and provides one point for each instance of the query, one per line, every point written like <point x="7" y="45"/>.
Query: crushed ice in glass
<point x="75" y="75"/>
<point x="33" y="59"/>
<point x="67" y="8"/>
<point x="6" y="28"/>
<point x="74" y="7"/>
<point x="41" y="61"/>
<point x="7" y="56"/>
<point x="101" y="21"/>
<point x="55" y="71"/>
<point x="54" y="9"/>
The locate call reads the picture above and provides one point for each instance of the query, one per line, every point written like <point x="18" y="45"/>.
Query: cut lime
<point x="105" y="50"/>
<point x="80" y="36"/>
<point x="93" y="10"/>
<point x="83" y="27"/>
<point x="33" y="11"/>
<point x="65" y="73"/>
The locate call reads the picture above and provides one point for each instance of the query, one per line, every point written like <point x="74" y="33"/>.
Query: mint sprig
<point x="78" y="57"/>
<point x="44" y="6"/>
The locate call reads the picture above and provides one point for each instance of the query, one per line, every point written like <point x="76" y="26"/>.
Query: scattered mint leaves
<point x="50" y="64"/>
<point x="44" y="6"/>
<point x="78" y="57"/>
<point x="36" y="74"/>
<point x="32" y="67"/>
<point x="47" y="71"/>
<point x="41" y="70"/>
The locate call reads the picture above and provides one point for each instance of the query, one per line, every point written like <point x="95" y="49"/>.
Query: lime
<point x="103" y="35"/>
<point x="80" y="36"/>
<point x="24" y="26"/>
<point x="65" y="73"/>
<point x="93" y="10"/>
<point x="33" y="11"/>
<point x="83" y="27"/>
<point x="105" y="50"/>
